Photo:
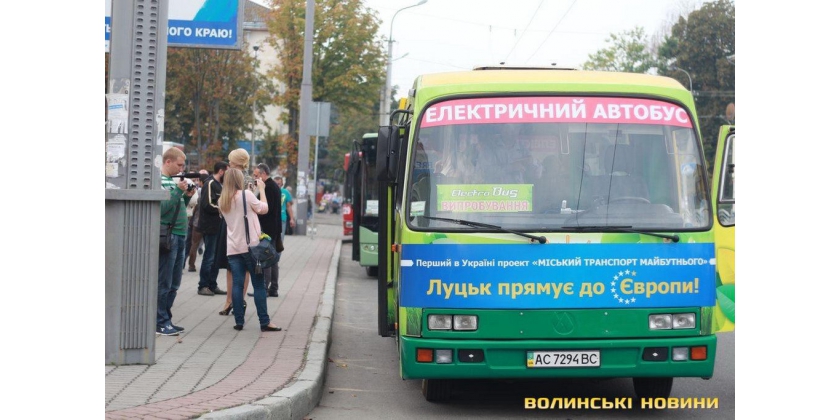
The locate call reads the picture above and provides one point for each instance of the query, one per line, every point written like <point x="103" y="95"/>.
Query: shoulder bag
<point x="264" y="253"/>
<point x="166" y="231"/>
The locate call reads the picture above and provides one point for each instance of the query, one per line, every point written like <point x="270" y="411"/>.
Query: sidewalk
<point x="212" y="371"/>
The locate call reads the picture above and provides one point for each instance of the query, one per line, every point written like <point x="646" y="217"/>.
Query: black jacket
<point x="270" y="222"/>
<point x="209" y="217"/>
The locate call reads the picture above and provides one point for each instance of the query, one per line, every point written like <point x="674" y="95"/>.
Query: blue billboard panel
<point x="246" y="144"/>
<point x="551" y="276"/>
<point x="198" y="23"/>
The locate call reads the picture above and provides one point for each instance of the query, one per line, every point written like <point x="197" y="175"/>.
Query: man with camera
<point x="171" y="263"/>
<point x="209" y="224"/>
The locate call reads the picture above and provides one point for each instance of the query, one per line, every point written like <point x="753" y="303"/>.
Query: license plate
<point x="561" y="359"/>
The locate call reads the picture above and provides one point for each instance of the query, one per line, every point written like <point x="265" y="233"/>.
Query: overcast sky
<point x="452" y="35"/>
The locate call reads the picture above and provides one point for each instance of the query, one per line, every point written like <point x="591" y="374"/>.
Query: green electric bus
<point x="362" y="190"/>
<point x="546" y="223"/>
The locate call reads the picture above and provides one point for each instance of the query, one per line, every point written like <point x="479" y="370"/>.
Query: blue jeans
<point x="209" y="271"/>
<point x="170" y="267"/>
<point x="237" y="264"/>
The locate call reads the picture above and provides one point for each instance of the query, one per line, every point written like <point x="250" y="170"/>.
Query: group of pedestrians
<point x="219" y="219"/>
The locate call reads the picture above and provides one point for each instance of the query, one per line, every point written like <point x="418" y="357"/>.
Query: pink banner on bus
<point x="555" y="109"/>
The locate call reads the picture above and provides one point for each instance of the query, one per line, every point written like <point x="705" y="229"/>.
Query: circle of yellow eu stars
<point x="621" y="298"/>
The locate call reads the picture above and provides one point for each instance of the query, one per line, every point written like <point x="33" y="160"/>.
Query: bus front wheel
<point x="437" y="390"/>
<point x="372" y="271"/>
<point x="652" y="387"/>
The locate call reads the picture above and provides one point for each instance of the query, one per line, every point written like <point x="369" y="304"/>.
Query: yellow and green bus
<point x="546" y="223"/>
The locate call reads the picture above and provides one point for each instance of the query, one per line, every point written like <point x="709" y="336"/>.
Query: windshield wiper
<point x="540" y="239"/>
<point x="628" y="229"/>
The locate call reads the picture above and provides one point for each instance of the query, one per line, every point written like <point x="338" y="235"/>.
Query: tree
<point x="350" y="127"/>
<point x="627" y="52"/>
<point x="209" y="96"/>
<point x="348" y="65"/>
<point x="700" y="45"/>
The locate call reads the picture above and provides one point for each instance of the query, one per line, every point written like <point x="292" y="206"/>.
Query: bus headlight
<point x="660" y="322"/>
<point x="466" y="323"/>
<point x="671" y="321"/>
<point x="440" y="322"/>
<point x="683" y="321"/>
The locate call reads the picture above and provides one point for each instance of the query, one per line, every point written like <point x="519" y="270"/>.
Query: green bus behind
<point x="363" y="192"/>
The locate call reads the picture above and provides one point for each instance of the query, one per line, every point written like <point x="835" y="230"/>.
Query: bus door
<point x="723" y="190"/>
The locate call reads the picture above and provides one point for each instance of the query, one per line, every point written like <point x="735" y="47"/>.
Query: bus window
<point x="551" y="176"/>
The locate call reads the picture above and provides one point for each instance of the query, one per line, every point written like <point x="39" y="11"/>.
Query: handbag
<point x="166" y="232"/>
<point x="263" y="253"/>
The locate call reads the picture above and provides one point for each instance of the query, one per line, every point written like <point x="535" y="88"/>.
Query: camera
<point x="191" y="175"/>
<point x="190" y="187"/>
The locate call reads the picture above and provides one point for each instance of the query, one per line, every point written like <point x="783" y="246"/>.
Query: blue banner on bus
<point x="557" y="276"/>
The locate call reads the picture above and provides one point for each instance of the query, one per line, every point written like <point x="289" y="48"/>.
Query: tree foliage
<point x="627" y="52"/>
<point x="348" y="68"/>
<point x="210" y="96"/>
<point x="700" y="45"/>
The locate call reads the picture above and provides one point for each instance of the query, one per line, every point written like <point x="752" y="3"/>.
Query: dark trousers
<point x="169" y="278"/>
<point x="271" y="275"/>
<point x="209" y="270"/>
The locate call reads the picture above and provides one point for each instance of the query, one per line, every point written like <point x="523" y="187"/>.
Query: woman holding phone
<point x="232" y="205"/>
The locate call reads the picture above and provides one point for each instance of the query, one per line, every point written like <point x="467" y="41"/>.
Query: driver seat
<point x="618" y="162"/>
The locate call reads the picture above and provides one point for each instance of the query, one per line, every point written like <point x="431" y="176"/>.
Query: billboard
<point x="198" y="23"/>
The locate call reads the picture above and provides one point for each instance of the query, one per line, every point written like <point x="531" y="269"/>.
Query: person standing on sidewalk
<point x="209" y="224"/>
<point x="270" y="222"/>
<point x="232" y="204"/>
<point x="193" y="235"/>
<point x="287" y="208"/>
<point x="237" y="159"/>
<point x="171" y="263"/>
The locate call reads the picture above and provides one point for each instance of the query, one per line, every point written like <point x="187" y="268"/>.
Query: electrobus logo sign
<point x="555" y="109"/>
<point x="557" y="276"/>
<point x="485" y="197"/>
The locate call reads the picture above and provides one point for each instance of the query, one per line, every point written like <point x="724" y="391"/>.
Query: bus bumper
<point x="507" y="359"/>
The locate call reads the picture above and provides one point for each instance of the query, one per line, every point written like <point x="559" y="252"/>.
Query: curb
<point x="303" y="393"/>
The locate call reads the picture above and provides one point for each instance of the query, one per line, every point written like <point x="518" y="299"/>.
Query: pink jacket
<point x="235" y="220"/>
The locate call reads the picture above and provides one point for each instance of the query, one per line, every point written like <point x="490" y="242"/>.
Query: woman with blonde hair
<point x="237" y="159"/>
<point x="233" y="202"/>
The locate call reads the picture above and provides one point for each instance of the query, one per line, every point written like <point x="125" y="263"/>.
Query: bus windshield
<point x="540" y="164"/>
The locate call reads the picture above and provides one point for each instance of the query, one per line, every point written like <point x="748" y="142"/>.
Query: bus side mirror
<point x="385" y="153"/>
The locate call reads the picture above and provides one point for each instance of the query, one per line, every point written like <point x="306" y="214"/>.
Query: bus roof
<point x="546" y="80"/>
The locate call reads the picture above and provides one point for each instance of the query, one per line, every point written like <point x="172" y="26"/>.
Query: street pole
<point x="254" y="110"/>
<point x="385" y="100"/>
<point x="303" y="121"/>
<point x="314" y="229"/>
<point x="133" y="138"/>
<point x="690" y="85"/>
